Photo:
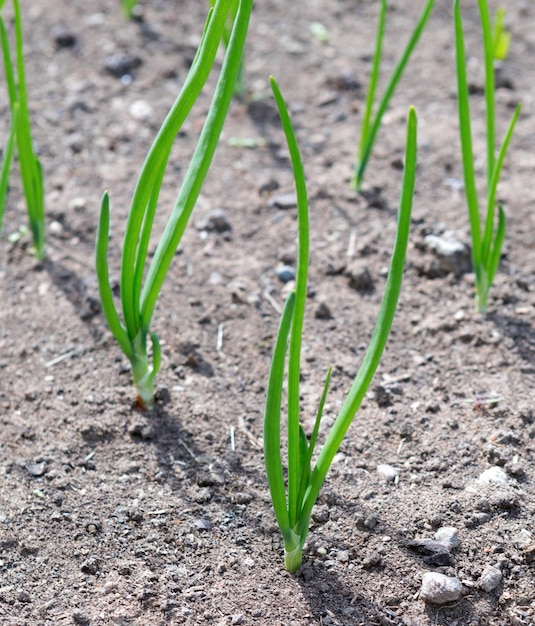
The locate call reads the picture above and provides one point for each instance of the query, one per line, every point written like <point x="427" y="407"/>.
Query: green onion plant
<point x="30" y="166"/>
<point x="371" y="122"/>
<point x="488" y="234"/>
<point x="294" y="498"/>
<point x="141" y="285"/>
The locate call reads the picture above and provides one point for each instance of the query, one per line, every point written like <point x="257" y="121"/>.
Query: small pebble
<point x="121" y="64"/>
<point x="490" y="579"/>
<point x="372" y="559"/>
<point x="140" y="110"/>
<point x="285" y="273"/>
<point x="143" y="430"/>
<point x="90" y="565"/>
<point x="522" y="538"/>
<point x="448" y="535"/>
<point x="323" y="312"/>
<point x="494" y="475"/>
<point x="433" y="552"/>
<point x="80" y="618"/>
<point x="359" y="277"/>
<point x="342" y="556"/>
<point x="283" y="201"/>
<point x="217" y="221"/>
<point x="203" y="524"/>
<point x="452" y="255"/>
<point x="505" y="500"/>
<point x="37" y="469"/>
<point x="439" y="589"/>
<point x="63" y="38"/>
<point x="23" y="596"/>
<point x="388" y="472"/>
<point x="55" y="228"/>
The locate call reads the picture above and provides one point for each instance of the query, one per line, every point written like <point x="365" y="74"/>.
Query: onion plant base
<point x="293" y="551"/>
<point x="143" y="373"/>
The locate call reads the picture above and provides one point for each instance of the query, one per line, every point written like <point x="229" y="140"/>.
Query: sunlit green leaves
<point x="488" y="234"/>
<point x="294" y="498"/>
<point x="29" y="164"/>
<point x="371" y="122"/>
<point x="141" y="282"/>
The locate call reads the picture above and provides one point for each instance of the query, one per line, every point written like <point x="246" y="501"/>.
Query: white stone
<point x="389" y="473"/>
<point x="522" y="539"/>
<point x="140" y="110"/>
<point x="494" y="475"/>
<point x="439" y="589"/>
<point x="448" y="536"/>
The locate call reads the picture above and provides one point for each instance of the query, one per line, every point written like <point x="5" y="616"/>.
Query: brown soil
<point x="111" y="516"/>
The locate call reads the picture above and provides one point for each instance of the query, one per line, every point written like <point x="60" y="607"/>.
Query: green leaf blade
<point x="272" y="418"/>
<point x="294" y="365"/>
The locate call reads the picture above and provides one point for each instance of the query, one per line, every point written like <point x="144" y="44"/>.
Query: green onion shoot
<point x="372" y="122"/>
<point x="487" y="235"/>
<point x="140" y="285"/>
<point x="294" y="498"/>
<point x="29" y="164"/>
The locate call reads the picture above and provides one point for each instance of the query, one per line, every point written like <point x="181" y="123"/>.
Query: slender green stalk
<point x="371" y="123"/>
<point x="6" y="163"/>
<point x="374" y="79"/>
<point x="140" y="286"/>
<point x="240" y="88"/>
<point x="293" y="501"/>
<point x="487" y="235"/>
<point x="30" y="166"/>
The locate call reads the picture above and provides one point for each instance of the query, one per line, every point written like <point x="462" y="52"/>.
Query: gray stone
<point x="323" y="312"/>
<point x="121" y="64"/>
<point x="452" y="255"/>
<point x="285" y="273"/>
<point x="448" y="536"/>
<point x="359" y="277"/>
<point x="217" y="220"/>
<point x="37" y="469"/>
<point x="439" y="589"/>
<point x="434" y="552"/>
<point x="283" y="201"/>
<point x="522" y="539"/>
<point x="490" y="579"/>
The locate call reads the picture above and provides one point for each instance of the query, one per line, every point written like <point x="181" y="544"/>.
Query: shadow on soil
<point x="520" y="332"/>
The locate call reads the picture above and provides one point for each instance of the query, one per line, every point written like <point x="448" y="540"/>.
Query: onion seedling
<point x="370" y="122"/>
<point x="487" y="239"/>
<point x="293" y="501"/>
<point x="30" y="166"/>
<point x="140" y="286"/>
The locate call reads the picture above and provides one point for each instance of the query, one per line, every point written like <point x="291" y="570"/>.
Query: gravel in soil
<point x="111" y="516"/>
